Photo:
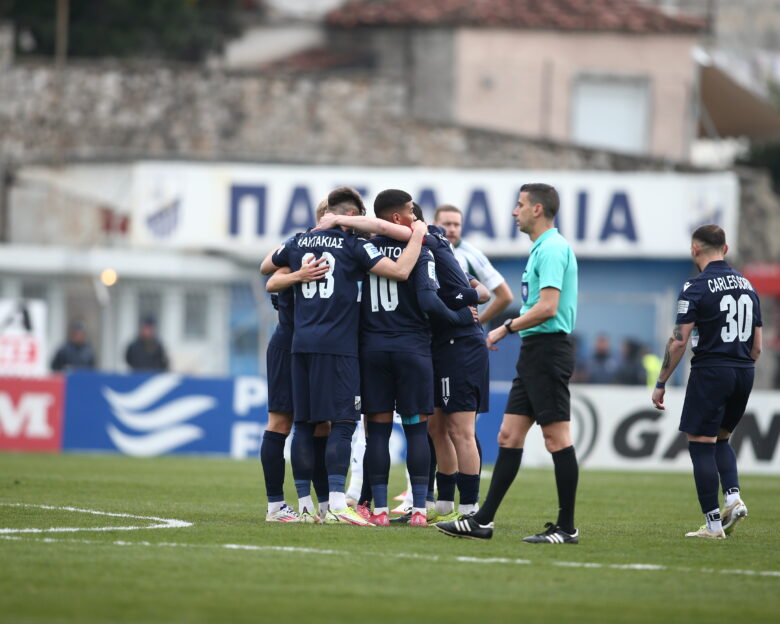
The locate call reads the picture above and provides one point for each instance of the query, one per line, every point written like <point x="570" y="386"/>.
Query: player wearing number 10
<point x="396" y="370"/>
<point x="720" y="310"/>
<point x="325" y="371"/>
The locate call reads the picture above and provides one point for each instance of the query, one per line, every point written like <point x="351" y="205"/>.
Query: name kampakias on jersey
<point x="320" y="240"/>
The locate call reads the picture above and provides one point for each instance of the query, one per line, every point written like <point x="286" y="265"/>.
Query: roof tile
<point x="573" y="15"/>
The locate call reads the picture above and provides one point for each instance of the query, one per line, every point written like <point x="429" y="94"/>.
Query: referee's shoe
<point x="554" y="535"/>
<point x="466" y="526"/>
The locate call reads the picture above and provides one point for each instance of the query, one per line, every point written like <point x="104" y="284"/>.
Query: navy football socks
<point x="431" y="472"/>
<point x="320" y="476"/>
<point x="418" y="461"/>
<point x="338" y="453"/>
<point x="468" y="487"/>
<point x="378" y="454"/>
<point x="726" y="460"/>
<point x="446" y="484"/>
<point x="365" y="488"/>
<point x="272" y="459"/>
<point x="302" y="457"/>
<point x="705" y="473"/>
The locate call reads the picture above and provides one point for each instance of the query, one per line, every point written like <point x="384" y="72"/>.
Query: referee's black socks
<point x="504" y="473"/>
<point x="566" y="476"/>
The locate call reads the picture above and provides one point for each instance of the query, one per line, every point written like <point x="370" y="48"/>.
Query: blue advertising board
<point x="155" y="414"/>
<point x="158" y="414"/>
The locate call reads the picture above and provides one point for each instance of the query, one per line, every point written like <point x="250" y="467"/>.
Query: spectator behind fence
<point x="631" y="371"/>
<point x="76" y="352"/>
<point x="602" y="367"/>
<point x="146" y="352"/>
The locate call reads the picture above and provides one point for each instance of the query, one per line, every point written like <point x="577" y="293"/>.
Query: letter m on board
<point x="29" y="417"/>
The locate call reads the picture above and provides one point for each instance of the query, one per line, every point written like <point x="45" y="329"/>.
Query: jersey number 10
<point x="384" y="291"/>
<point x="739" y="318"/>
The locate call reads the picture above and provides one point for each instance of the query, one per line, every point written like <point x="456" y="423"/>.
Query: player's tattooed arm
<point x="675" y="348"/>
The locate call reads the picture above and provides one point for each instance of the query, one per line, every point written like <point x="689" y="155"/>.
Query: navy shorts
<point x="394" y="380"/>
<point x="716" y="397"/>
<point x="278" y="366"/>
<point x="325" y="387"/>
<point x="541" y="388"/>
<point x="461" y="375"/>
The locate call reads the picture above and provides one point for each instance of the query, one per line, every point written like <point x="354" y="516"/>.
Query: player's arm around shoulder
<point x="277" y="258"/>
<point x="310" y="271"/>
<point x="267" y="266"/>
<point x="400" y="269"/>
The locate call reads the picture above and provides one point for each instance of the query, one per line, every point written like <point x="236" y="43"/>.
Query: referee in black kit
<point x="540" y="392"/>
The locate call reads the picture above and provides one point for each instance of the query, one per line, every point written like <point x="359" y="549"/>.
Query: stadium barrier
<point x="614" y="427"/>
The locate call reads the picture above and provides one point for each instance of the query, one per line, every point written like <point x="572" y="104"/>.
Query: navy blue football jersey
<point x="327" y="312"/>
<point x="725" y="309"/>
<point x="451" y="280"/>
<point x="390" y="316"/>
<point x="285" y="305"/>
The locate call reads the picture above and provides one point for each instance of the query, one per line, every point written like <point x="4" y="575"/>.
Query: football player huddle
<point x="376" y="317"/>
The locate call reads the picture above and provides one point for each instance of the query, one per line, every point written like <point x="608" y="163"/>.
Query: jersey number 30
<point x="739" y="318"/>
<point x="325" y="283"/>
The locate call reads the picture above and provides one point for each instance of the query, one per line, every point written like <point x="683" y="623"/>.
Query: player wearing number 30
<point x="721" y="311"/>
<point x="325" y="370"/>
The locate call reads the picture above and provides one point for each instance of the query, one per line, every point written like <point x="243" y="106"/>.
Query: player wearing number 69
<point x="720" y="310"/>
<point x="325" y="370"/>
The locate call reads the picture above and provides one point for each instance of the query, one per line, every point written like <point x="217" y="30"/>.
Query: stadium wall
<point x="150" y="415"/>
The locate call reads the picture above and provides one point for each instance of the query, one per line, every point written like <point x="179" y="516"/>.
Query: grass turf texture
<point x="188" y="575"/>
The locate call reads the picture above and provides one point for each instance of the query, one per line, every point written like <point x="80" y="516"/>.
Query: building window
<point x="34" y="290"/>
<point x="196" y="308"/>
<point x="611" y="112"/>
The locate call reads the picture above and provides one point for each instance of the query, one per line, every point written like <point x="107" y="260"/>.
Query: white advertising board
<point x="251" y="208"/>
<point x="22" y="338"/>
<point x="617" y="427"/>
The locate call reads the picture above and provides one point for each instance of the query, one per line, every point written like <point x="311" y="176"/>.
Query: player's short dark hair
<point x="389" y="199"/>
<point x="446" y="208"/>
<point x="711" y="236"/>
<point x="544" y="194"/>
<point x="417" y="211"/>
<point x="343" y="199"/>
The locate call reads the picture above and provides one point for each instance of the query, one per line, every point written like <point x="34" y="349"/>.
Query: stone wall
<point x="111" y="113"/>
<point x="117" y="113"/>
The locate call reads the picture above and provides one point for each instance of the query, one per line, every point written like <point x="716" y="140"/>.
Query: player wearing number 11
<point x="325" y="371"/>
<point x="720" y="310"/>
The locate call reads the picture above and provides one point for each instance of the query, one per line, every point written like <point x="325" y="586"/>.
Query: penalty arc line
<point x="634" y="567"/>
<point x="161" y="523"/>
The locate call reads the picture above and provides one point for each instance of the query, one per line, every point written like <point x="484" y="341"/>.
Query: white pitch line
<point x="633" y="567"/>
<point x="162" y="523"/>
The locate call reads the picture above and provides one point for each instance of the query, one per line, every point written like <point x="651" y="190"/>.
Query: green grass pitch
<point x="632" y="565"/>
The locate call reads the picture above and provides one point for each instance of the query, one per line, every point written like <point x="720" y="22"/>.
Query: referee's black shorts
<point x="541" y="388"/>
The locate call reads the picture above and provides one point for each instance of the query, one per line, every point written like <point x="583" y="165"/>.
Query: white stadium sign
<point x="249" y="209"/>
